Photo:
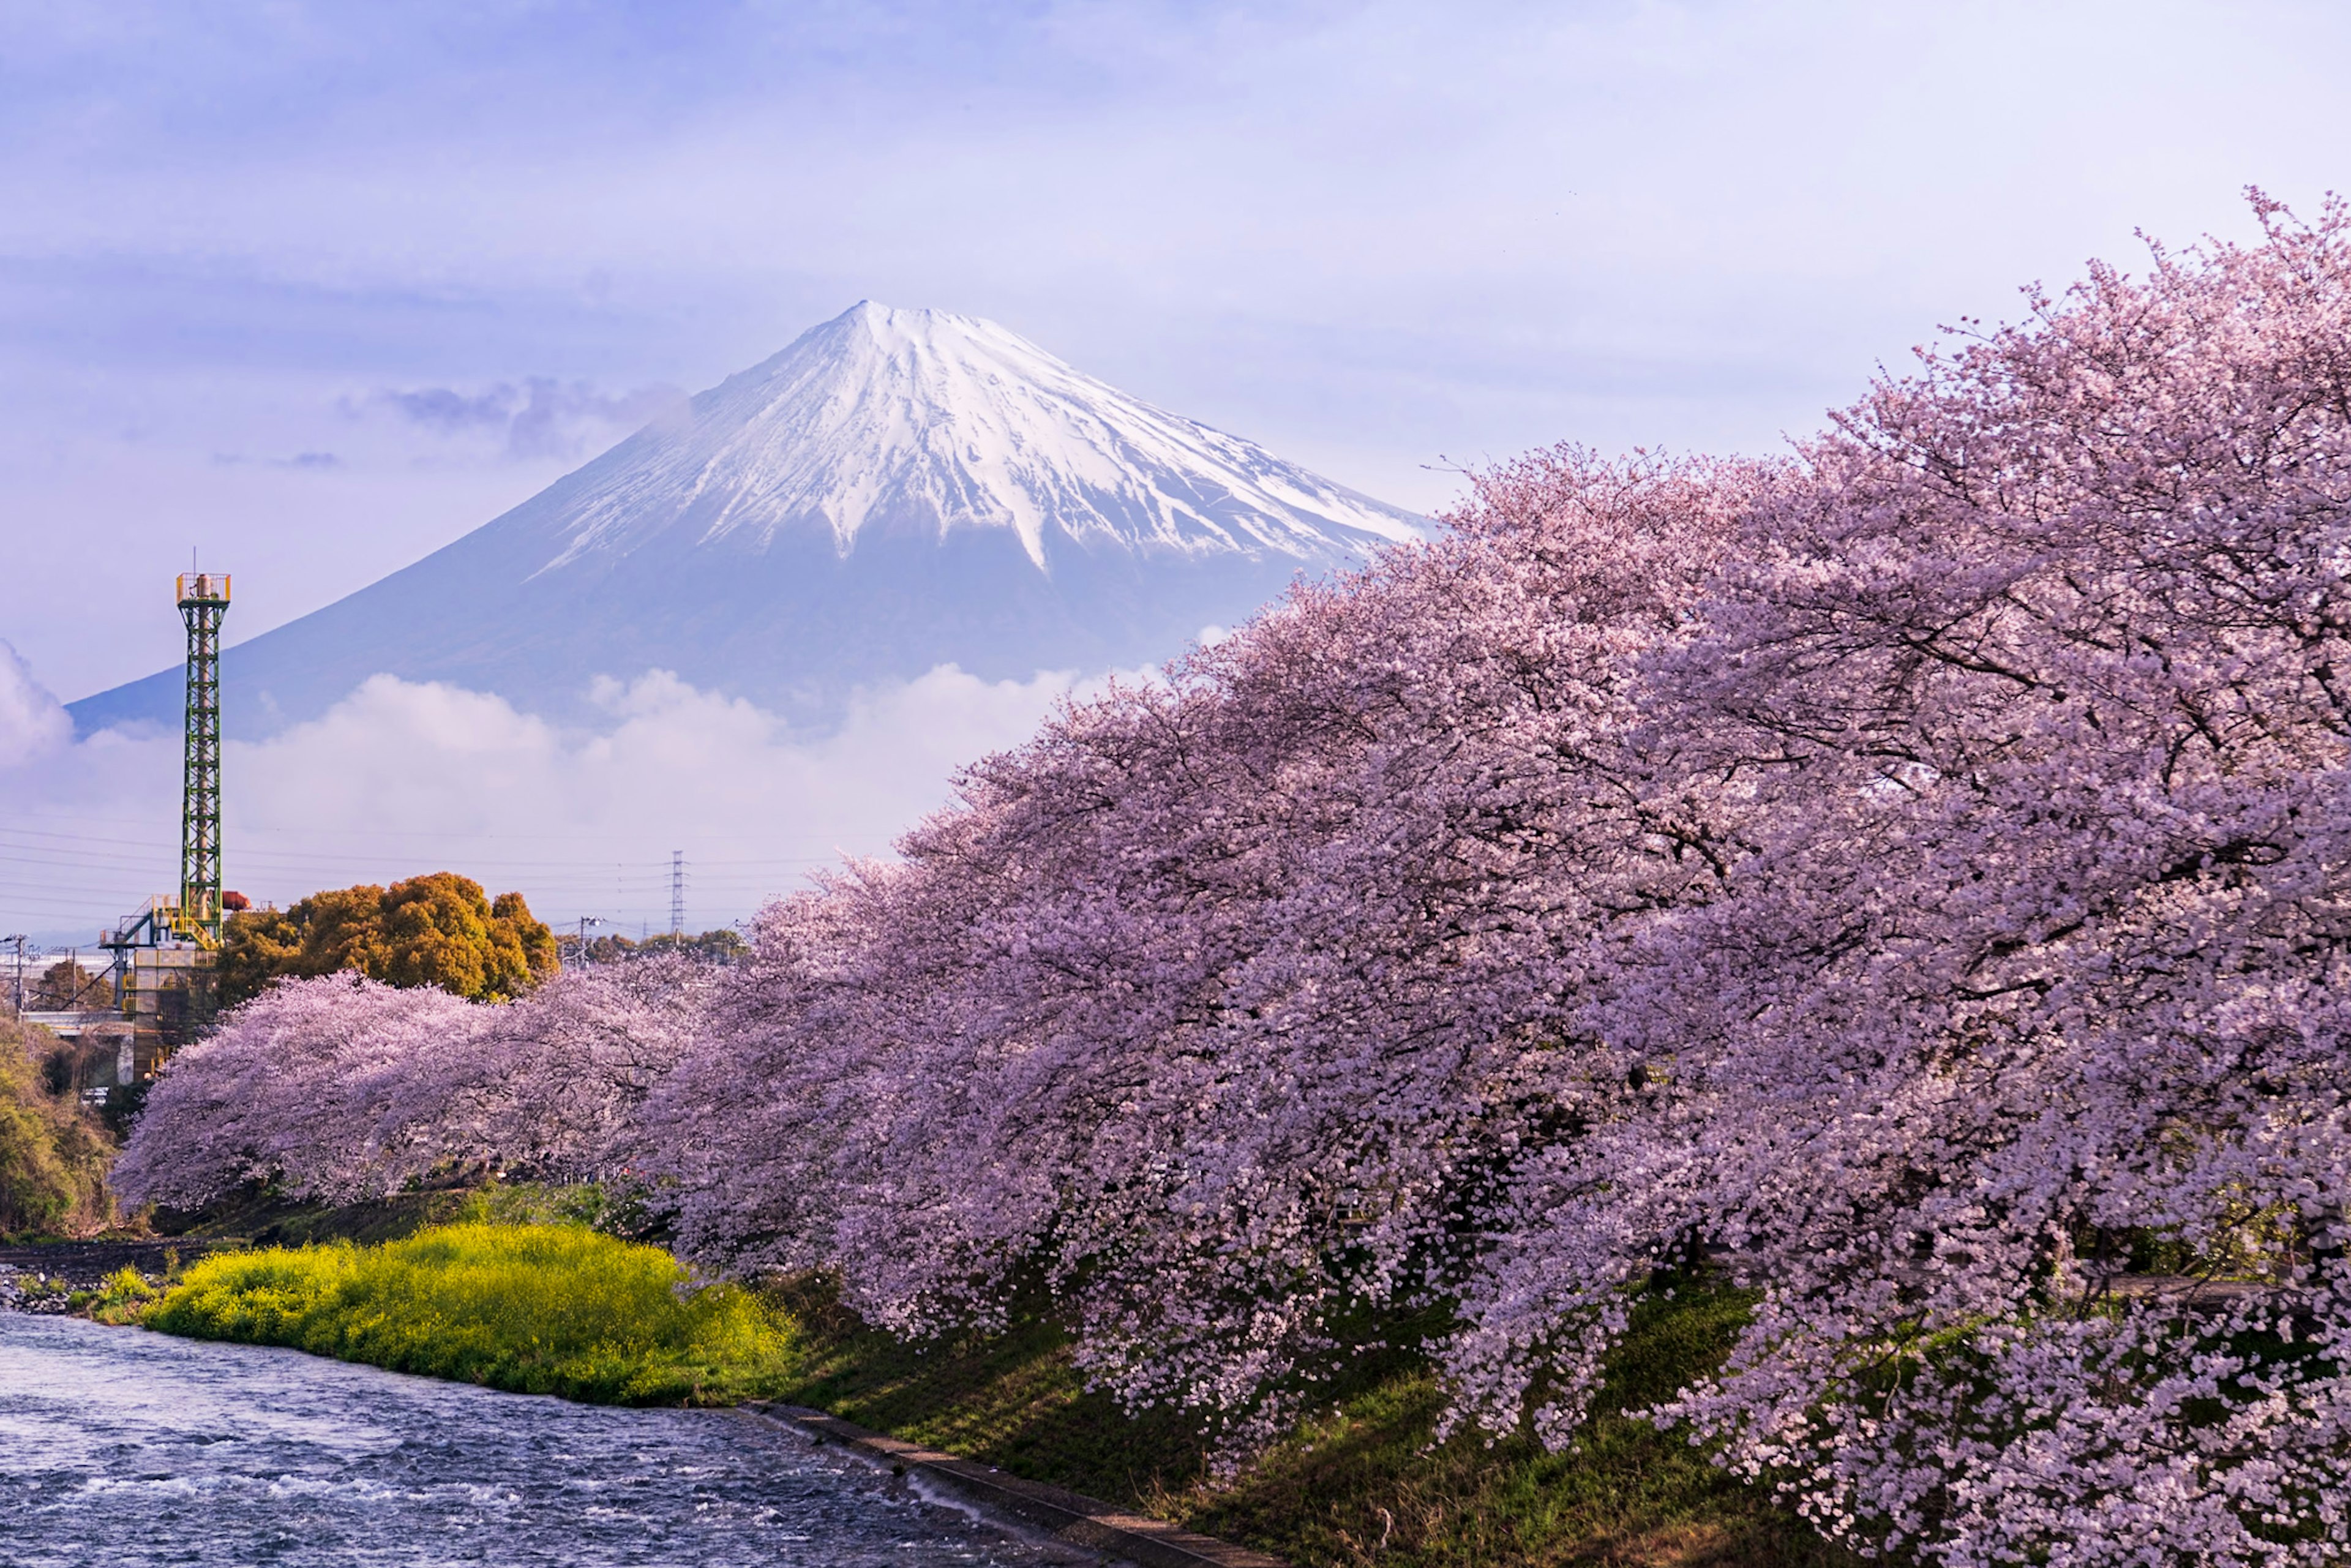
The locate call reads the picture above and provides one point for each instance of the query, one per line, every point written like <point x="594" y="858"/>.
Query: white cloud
<point x="543" y="417"/>
<point x="32" y="722"/>
<point x="401" y="778"/>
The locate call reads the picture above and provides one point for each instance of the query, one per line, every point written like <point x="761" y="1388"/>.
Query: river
<point x="127" y="1448"/>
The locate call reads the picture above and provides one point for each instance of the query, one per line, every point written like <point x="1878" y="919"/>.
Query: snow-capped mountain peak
<point x="896" y="419"/>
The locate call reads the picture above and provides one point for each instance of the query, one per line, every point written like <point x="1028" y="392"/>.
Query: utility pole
<point x="585" y="922"/>
<point x="677" y="895"/>
<point x="18" y="939"/>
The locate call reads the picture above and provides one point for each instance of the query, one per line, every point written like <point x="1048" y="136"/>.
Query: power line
<point x="373" y="835"/>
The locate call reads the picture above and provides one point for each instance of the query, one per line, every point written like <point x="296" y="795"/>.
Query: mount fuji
<point x="896" y="490"/>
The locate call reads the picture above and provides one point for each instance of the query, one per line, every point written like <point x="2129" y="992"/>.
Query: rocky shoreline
<point x="23" y="1290"/>
<point x="43" y="1277"/>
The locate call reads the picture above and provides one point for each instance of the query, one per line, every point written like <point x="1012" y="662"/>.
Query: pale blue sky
<point x="246" y="249"/>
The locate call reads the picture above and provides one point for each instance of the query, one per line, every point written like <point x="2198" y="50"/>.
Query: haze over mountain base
<point x="793" y="627"/>
<point x="403" y="777"/>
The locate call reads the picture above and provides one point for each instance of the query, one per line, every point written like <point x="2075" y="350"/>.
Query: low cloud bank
<point x="401" y="777"/>
<point x="543" y="417"/>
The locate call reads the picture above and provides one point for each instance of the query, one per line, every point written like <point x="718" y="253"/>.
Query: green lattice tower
<point x="203" y="604"/>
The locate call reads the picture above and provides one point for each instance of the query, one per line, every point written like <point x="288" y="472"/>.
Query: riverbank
<point x="55" y="1278"/>
<point x="532" y="1309"/>
<point x="141" y="1451"/>
<point x="560" y="1309"/>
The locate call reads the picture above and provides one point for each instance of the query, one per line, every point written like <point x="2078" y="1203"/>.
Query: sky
<point x="311" y="290"/>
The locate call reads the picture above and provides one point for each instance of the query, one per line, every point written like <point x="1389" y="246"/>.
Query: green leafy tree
<point x="68" y="987"/>
<point x="437" y="930"/>
<point x="52" y="1153"/>
<point x="719" y="946"/>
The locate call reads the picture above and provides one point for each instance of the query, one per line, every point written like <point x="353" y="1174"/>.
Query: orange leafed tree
<point x="436" y="930"/>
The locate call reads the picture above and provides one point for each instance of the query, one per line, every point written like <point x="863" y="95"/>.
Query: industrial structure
<point x="203" y="604"/>
<point x="165" y="957"/>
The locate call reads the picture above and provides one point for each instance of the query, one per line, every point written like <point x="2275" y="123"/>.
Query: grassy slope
<point x="564" y="1309"/>
<point x="1343" y="1484"/>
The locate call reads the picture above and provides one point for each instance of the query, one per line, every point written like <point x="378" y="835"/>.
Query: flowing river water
<point x="126" y="1449"/>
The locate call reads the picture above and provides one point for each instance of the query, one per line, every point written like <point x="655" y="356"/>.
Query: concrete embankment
<point x="1066" y="1515"/>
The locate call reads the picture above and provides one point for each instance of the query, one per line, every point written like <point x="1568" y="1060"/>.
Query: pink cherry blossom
<point x="342" y="1088"/>
<point x="2021" y="700"/>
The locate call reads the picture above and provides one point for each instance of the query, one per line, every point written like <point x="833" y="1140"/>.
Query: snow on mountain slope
<point x="895" y="490"/>
<point x="883" y="414"/>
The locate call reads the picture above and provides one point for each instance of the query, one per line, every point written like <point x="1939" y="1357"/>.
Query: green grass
<point x="535" y="1309"/>
<point x="1366" y="1482"/>
<point x="269" y="1219"/>
<point x="560" y="1309"/>
<point x="122" y="1297"/>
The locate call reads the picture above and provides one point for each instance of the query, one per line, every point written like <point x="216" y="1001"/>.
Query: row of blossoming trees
<point x="1911" y="881"/>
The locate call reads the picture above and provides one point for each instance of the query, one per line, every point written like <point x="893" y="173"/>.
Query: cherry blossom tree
<point x="2008" y="1062"/>
<point x="340" y="1087"/>
<point x="299" y="1086"/>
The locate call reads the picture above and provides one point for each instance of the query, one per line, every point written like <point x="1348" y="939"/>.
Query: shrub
<point x="53" y="1155"/>
<point x="534" y="1308"/>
